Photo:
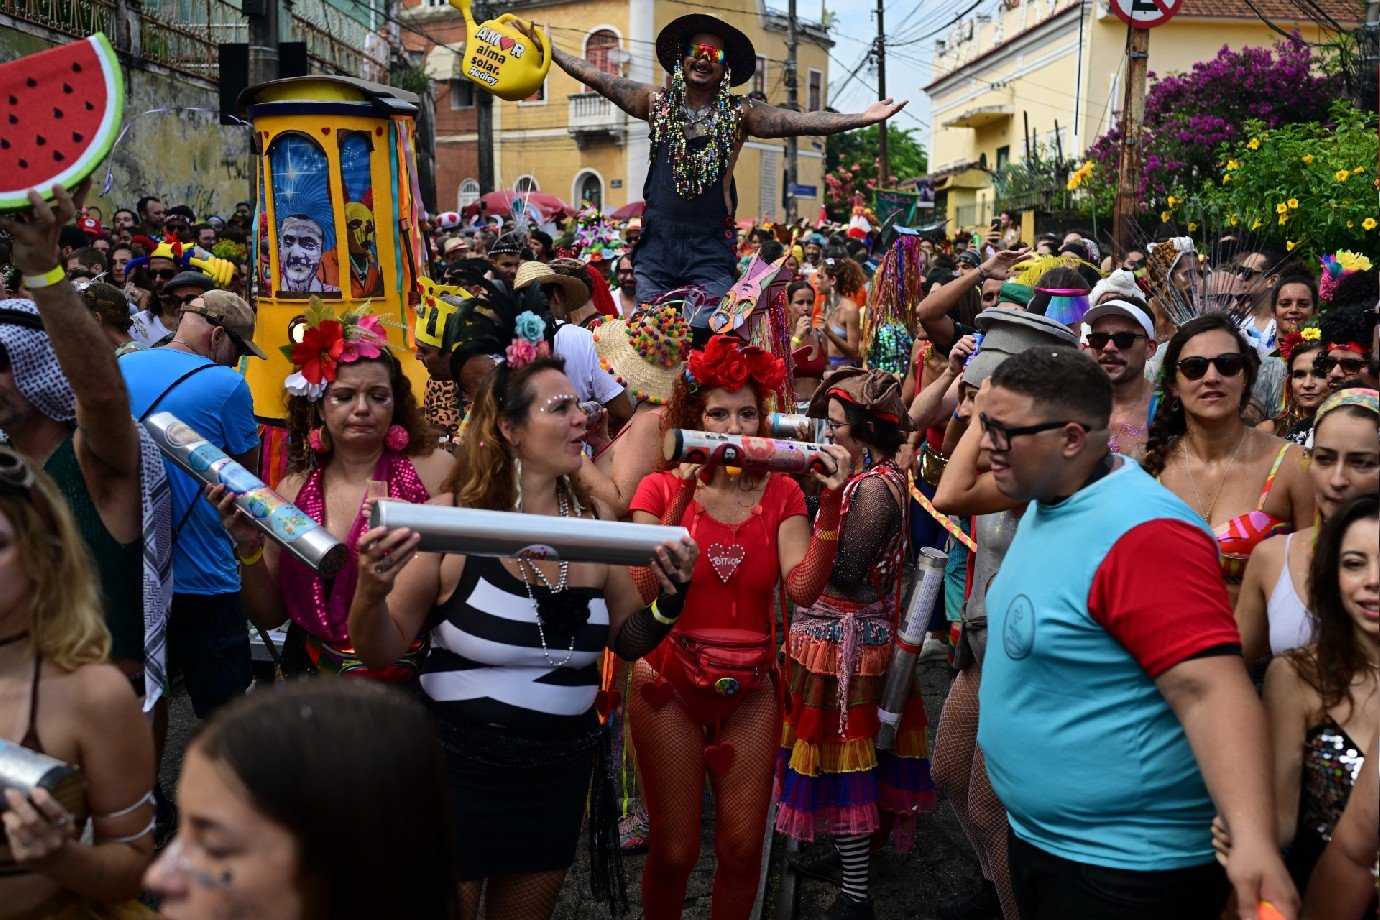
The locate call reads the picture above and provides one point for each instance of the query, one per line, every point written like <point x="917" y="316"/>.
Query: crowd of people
<point x="1153" y="480"/>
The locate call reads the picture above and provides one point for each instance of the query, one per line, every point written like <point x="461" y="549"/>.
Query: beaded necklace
<point x="698" y="169"/>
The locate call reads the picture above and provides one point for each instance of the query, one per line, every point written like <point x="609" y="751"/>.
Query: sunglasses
<point x="1122" y="340"/>
<point x="17" y="478"/>
<point x="1228" y="365"/>
<point x="167" y="274"/>
<point x="182" y="300"/>
<point x="1245" y="273"/>
<point x="1351" y="366"/>
<point x="1001" y="435"/>
<point x="708" y="52"/>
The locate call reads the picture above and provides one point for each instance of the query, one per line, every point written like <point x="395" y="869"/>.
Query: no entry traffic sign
<point x="1145" y="14"/>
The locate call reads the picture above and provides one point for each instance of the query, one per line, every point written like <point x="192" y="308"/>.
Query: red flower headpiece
<point x="728" y="364"/>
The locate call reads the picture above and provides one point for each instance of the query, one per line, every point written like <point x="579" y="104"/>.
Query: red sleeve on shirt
<point x="1160" y="593"/>
<point x="652" y="495"/>
<point x="788" y="496"/>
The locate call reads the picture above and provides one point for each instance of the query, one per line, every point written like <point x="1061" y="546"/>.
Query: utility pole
<point x="1132" y="118"/>
<point x="883" y="164"/>
<point x="262" y="19"/>
<point x="792" y="103"/>
<point x="484" y="104"/>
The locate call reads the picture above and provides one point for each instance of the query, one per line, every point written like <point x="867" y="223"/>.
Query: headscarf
<point x="41" y="381"/>
<point x="1363" y="397"/>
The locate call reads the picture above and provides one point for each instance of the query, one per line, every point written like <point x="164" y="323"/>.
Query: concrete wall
<point x="181" y="157"/>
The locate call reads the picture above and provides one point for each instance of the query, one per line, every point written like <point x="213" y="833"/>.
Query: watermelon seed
<point x="57" y="156"/>
<point x="4" y="144"/>
<point x="40" y="140"/>
<point x="31" y="83"/>
<point x="13" y="119"/>
<point x="57" y="113"/>
<point x="66" y="87"/>
<point x="23" y="164"/>
<point x="90" y="107"/>
<point x="76" y="68"/>
<point x="76" y="138"/>
<point x="13" y="99"/>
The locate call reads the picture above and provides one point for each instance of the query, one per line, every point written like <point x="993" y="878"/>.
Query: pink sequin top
<point x="322" y="606"/>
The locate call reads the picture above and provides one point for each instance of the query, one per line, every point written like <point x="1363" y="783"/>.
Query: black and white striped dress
<point x="517" y="730"/>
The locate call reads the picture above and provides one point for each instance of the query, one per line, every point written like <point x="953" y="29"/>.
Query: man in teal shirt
<point x="1116" y="713"/>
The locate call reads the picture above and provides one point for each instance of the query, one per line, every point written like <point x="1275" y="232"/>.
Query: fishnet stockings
<point x="530" y="896"/>
<point x="671" y="765"/>
<point x="960" y="774"/>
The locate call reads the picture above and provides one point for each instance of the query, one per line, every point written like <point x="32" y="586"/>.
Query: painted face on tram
<point x="1345" y="459"/>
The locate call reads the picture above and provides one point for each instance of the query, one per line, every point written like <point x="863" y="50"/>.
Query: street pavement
<point x="938" y="867"/>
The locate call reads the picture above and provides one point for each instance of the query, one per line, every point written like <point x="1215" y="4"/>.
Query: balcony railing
<point x="593" y="117"/>
<point x="70" y="17"/>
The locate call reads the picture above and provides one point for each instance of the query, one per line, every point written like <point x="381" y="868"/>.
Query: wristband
<point x="49" y="278"/>
<point x="797" y="340"/>
<point x="826" y="534"/>
<point x="253" y="558"/>
<point x="663" y="620"/>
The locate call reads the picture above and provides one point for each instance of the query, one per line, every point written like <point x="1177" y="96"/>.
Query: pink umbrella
<point x="501" y="202"/>
<point x="630" y="210"/>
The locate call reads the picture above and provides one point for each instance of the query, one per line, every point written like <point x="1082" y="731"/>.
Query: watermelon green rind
<point x="97" y="147"/>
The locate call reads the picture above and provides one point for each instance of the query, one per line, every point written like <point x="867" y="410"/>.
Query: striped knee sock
<point x="854" y="851"/>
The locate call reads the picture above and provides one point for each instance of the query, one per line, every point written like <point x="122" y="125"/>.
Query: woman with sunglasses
<point x="1305" y="388"/>
<point x="60" y="698"/>
<point x="1246" y="484"/>
<point x="1344" y="463"/>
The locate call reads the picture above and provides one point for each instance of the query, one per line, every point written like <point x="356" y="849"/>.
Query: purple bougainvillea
<point x="1189" y="115"/>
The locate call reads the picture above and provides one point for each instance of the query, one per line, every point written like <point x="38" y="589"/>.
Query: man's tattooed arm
<point x="629" y="95"/>
<point x="764" y="120"/>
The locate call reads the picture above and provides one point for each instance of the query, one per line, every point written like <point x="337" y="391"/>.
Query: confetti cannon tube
<point x="910" y="636"/>
<point x="795" y="427"/>
<point x="474" y="532"/>
<point x="24" y="770"/>
<point x="775" y="455"/>
<point x="278" y="519"/>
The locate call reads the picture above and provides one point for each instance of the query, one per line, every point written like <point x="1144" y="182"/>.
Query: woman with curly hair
<point x="512" y="675"/>
<point x="831" y="778"/>
<point x="81" y="857"/>
<point x="843" y="319"/>
<point x="1323" y="700"/>
<point x="1246" y="484"/>
<point x="706" y="702"/>
<point x="355" y="435"/>
<point x="1305" y="388"/>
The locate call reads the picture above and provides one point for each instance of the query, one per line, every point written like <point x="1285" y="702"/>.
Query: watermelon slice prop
<point x="62" y="110"/>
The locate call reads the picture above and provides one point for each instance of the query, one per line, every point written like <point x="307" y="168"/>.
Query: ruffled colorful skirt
<point x="830" y="777"/>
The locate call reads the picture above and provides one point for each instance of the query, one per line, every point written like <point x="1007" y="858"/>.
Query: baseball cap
<point x="231" y="313"/>
<point x="1121" y="308"/>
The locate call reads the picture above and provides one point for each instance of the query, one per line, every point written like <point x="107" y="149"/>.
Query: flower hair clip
<point x="529" y="343"/>
<point x="729" y="364"/>
<point x="326" y="342"/>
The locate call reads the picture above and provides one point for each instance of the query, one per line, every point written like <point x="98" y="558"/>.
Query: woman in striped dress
<point x="512" y="676"/>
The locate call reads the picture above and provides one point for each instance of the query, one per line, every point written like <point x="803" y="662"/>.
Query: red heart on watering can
<point x="505" y="42"/>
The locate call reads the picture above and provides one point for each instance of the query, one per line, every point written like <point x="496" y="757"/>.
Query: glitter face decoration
<point x="563" y="405"/>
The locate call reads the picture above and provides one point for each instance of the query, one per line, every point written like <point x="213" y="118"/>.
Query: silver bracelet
<point x="148" y="829"/>
<point x="147" y="797"/>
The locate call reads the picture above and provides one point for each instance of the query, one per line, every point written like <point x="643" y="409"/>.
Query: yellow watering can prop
<point x="500" y="58"/>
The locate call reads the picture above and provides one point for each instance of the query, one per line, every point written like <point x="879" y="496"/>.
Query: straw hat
<point x="539" y="273"/>
<point x="646" y="353"/>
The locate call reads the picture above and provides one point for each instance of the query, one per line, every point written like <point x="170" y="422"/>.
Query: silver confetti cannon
<point x="795" y="427"/>
<point x="474" y="532"/>
<point x="910" y="637"/>
<point x="25" y="770"/>
<point x="278" y="519"/>
<point x="776" y="455"/>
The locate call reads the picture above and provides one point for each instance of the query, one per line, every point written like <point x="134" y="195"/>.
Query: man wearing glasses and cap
<point x="697" y="130"/>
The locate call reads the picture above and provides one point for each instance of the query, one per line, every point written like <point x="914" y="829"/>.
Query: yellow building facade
<point x="1053" y="71"/>
<point x="572" y="143"/>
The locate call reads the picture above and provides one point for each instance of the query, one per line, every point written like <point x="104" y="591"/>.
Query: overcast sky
<point x="908" y="66"/>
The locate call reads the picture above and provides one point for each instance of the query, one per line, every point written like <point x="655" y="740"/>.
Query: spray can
<point x="910" y="637"/>
<point x="25" y="770"/>
<point x="977" y="346"/>
<point x="796" y="427"/>
<point x="276" y="517"/>
<point x="775" y="455"/>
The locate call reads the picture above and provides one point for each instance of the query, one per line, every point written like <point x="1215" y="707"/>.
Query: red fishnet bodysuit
<point x="681" y="734"/>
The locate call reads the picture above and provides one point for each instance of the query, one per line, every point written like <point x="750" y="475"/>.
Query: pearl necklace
<point x="562" y="582"/>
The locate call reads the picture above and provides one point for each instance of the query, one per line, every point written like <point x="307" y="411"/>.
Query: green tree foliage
<point x="851" y="165"/>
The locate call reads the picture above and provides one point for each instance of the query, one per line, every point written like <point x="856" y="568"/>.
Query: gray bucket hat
<point x="1010" y="332"/>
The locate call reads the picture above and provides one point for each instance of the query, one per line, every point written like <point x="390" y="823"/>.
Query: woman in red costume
<point x="831" y="778"/>
<point x="705" y="701"/>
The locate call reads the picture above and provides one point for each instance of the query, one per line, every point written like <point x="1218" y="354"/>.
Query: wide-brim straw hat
<point x="539" y="273"/>
<point x="739" y="54"/>
<point x="646" y="353"/>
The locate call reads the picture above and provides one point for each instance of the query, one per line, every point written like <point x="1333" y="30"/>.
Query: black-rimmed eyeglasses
<point x="1000" y="435"/>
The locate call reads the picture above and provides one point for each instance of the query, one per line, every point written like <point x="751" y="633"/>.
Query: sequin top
<point x="1331" y="763"/>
